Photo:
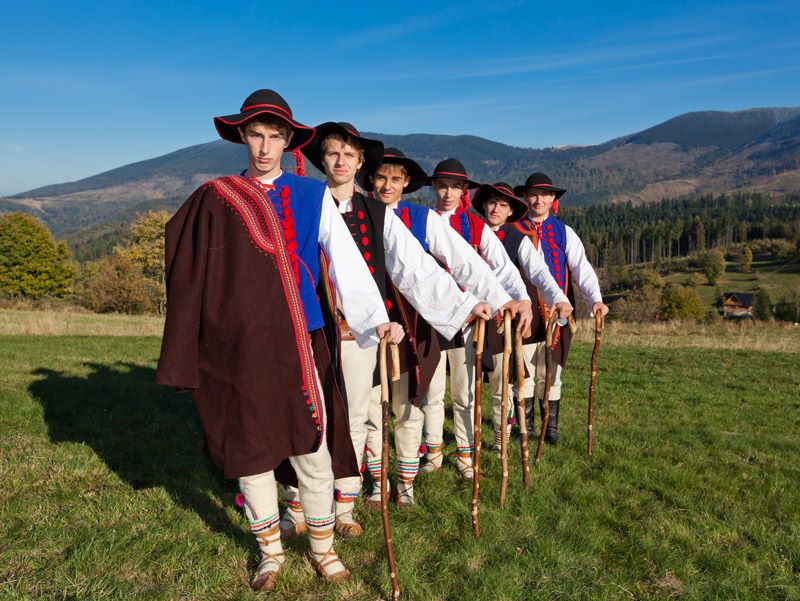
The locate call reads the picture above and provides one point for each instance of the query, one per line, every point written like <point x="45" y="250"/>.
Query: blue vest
<point x="553" y="245"/>
<point x="418" y="220"/>
<point x="305" y="201"/>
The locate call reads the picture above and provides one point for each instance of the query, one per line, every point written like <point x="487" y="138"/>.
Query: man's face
<point x="497" y="210"/>
<point x="389" y="181"/>
<point x="265" y="146"/>
<point x="539" y="203"/>
<point x="448" y="192"/>
<point x="341" y="162"/>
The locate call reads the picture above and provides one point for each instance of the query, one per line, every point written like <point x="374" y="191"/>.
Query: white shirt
<point x="465" y="265"/>
<point x="362" y="304"/>
<point x="418" y="277"/>
<point x="583" y="274"/>
<point x="494" y="253"/>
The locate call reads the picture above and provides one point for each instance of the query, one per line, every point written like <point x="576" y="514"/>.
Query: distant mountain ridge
<point x="694" y="153"/>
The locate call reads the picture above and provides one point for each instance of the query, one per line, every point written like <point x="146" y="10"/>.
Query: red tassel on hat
<point x="554" y="207"/>
<point x="465" y="200"/>
<point x="301" y="165"/>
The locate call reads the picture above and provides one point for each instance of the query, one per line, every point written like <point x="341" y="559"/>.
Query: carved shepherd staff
<point x="598" y="331"/>
<point x="387" y="533"/>
<point x="480" y="330"/>
<point x="523" y="428"/>
<point x="550" y="331"/>
<point x="504" y="406"/>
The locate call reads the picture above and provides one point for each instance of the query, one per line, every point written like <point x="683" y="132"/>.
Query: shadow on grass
<point x="147" y="434"/>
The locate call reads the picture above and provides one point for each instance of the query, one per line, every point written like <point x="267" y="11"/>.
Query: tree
<point x="695" y="280"/>
<point x="762" y="305"/>
<point x="745" y="260"/>
<point x="146" y="249"/>
<point x="680" y="302"/>
<point x="713" y="265"/>
<point x="117" y="285"/>
<point x="32" y="264"/>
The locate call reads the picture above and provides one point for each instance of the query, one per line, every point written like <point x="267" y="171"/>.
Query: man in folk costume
<point x="243" y="329"/>
<point x="565" y="256"/>
<point x="388" y="248"/>
<point x="396" y="175"/>
<point x="497" y="203"/>
<point x="451" y="185"/>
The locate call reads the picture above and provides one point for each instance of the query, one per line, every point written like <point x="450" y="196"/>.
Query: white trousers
<point x="364" y="409"/>
<point x="462" y="393"/>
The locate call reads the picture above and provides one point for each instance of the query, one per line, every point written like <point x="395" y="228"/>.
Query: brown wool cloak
<point x="229" y="337"/>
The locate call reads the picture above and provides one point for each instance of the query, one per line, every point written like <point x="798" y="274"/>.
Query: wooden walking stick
<point x="504" y="406"/>
<point x="548" y="369"/>
<point x="387" y="533"/>
<point x="523" y="426"/>
<point x="480" y="330"/>
<point x="598" y="331"/>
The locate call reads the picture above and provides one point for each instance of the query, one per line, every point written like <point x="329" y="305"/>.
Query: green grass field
<point x="693" y="491"/>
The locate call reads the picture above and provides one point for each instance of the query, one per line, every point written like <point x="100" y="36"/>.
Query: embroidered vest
<point x="365" y="222"/>
<point x="415" y="218"/>
<point x="469" y="225"/>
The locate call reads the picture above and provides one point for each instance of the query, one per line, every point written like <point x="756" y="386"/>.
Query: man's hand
<point x="394" y="329"/>
<point x="525" y="313"/>
<point x="482" y="311"/>
<point x="600" y="307"/>
<point x="564" y="310"/>
<point x="512" y="306"/>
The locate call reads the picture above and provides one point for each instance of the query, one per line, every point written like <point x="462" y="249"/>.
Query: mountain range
<point x="694" y="153"/>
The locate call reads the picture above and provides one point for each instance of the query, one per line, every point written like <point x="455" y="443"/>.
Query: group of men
<point x="279" y="288"/>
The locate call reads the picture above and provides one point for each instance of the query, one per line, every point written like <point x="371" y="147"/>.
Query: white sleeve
<point x="465" y="265"/>
<point x="494" y="253"/>
<point x="583" y="274"/>
<point x="362" y="304"/>
<point x="418" y="277"/>
<point x="538" y="274"/>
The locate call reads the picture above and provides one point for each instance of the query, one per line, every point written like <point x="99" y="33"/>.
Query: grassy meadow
<point x="693" y="491"/>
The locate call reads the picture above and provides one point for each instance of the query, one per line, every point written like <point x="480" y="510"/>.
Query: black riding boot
<point x="551" y="436"/>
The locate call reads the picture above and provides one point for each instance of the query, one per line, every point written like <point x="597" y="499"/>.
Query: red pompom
<point x="299" y="162"/>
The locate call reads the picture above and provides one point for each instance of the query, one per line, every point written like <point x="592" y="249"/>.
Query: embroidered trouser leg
<point x="433" y="405"/>
<point x="408" y="421"/>
<point x="315" y="492"/>
<point x="496" y="384"/>
<point x="462" y="390"/>
<point x="538" y="354"/>
<point x="358" y="366"/>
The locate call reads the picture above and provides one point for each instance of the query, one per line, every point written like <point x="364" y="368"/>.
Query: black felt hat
<point x="393" y="156"/>
<point x="504" y="191"/>
<point x="263" y="102"/>
<point x="539" y="181"/>
<point x="372" y="149"/>
<point x="453" y="169"/>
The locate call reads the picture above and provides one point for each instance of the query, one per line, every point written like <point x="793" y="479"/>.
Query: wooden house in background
<point x="737" y="305"/>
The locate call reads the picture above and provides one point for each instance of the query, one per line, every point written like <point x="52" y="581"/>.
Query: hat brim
<point x="559" y="192"/>
<point x="372" y="149"/>
<point x="471" y="185"/>
<point x="228" y="127"/>
<point x="415" y="173"/>
<point x="518" y="207"/>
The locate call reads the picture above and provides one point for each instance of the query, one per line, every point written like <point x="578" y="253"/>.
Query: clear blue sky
<point x="89" y="86"/>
